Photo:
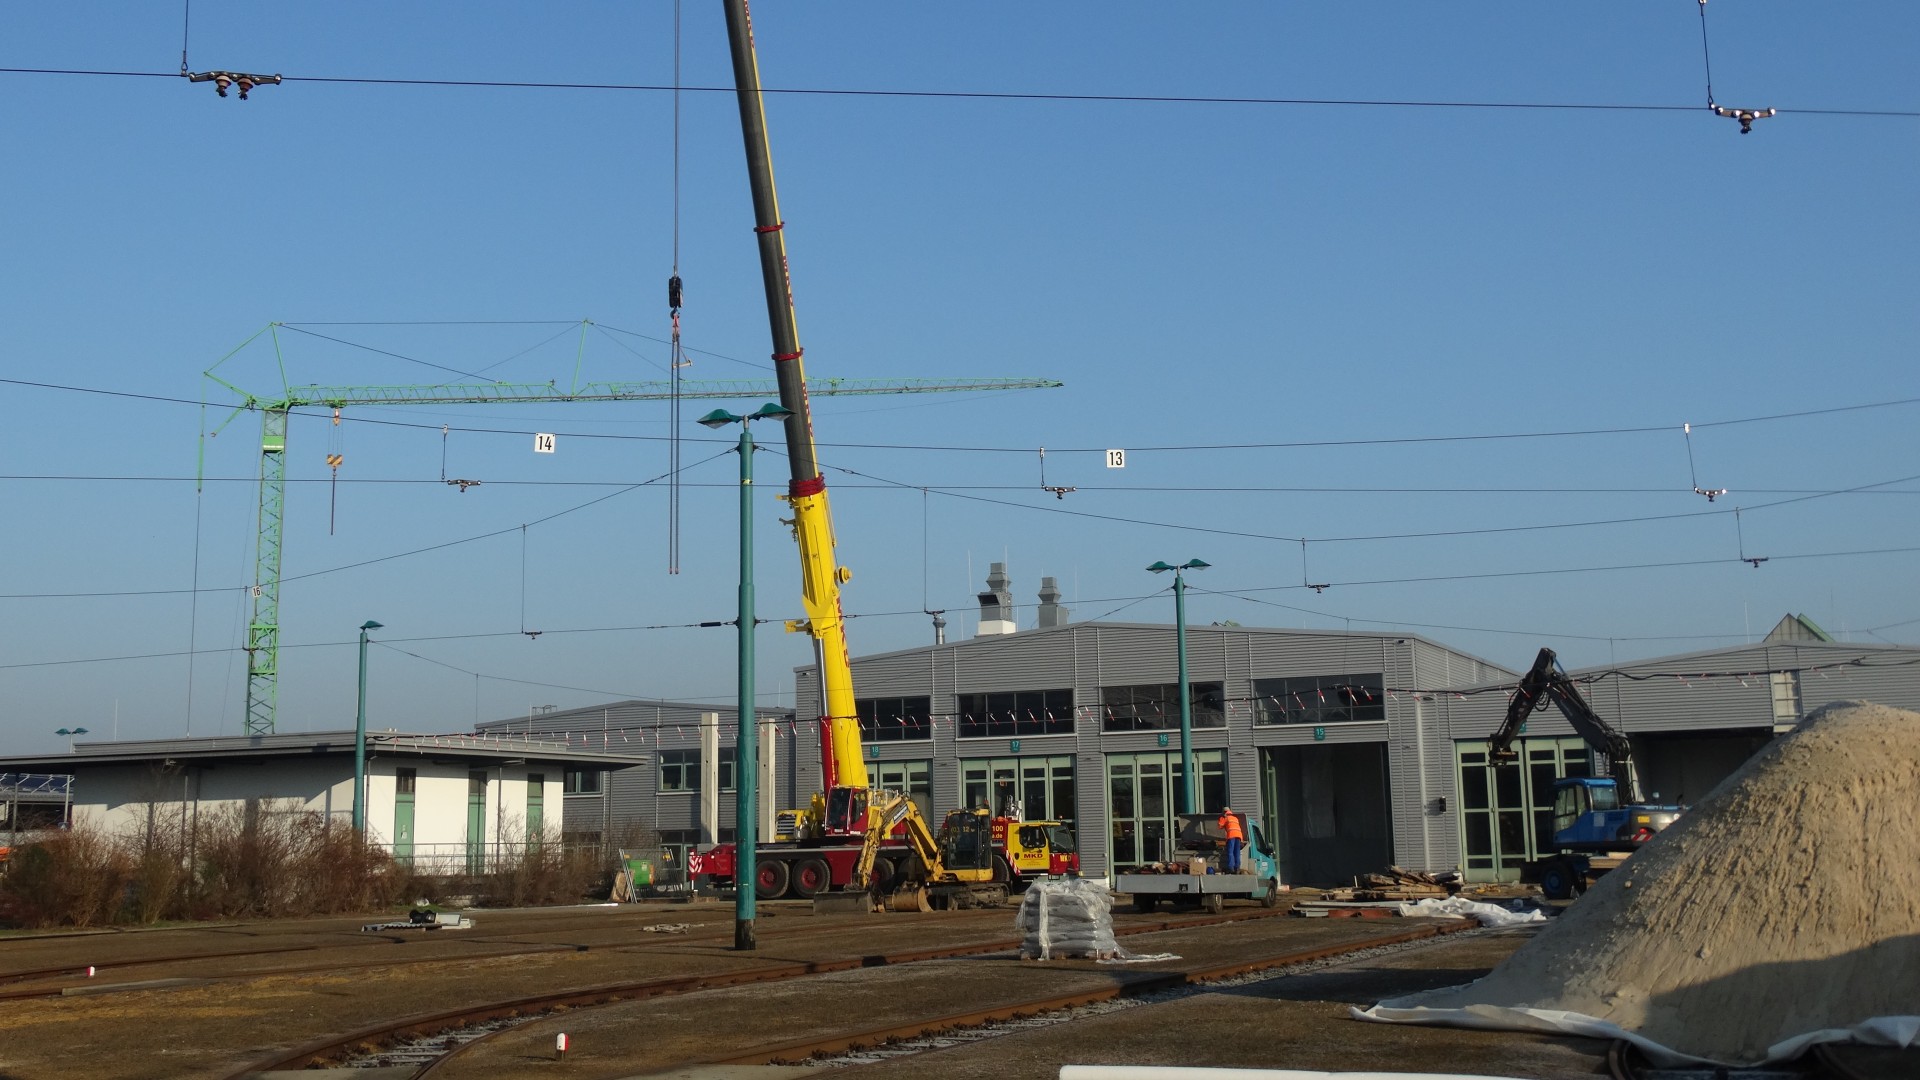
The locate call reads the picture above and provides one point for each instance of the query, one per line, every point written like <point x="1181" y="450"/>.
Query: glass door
<point x="404" y="781"/>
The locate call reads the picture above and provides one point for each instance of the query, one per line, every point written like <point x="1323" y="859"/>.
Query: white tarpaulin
<point x="1456" y="907"/>
<point x="1199" y="1073"/>
<point x="1898" y="1031"/>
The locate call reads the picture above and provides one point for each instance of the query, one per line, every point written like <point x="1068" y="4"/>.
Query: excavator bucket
<point x="910" y="897"/>
<point x="843" y="903"/>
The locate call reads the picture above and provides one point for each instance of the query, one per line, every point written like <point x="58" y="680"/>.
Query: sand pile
<point x="1786" y="902"/>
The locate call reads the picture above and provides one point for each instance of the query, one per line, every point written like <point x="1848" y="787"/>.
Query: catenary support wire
<point x="1746" y="117"/>
<point x="1710" y="493"/>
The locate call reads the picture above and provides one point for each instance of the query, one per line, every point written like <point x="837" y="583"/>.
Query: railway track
<point x="438" y="1041"/>
<point x="69" y="978"/>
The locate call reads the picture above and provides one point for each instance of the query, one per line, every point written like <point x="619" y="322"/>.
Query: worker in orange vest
<point x="1230" y="824"/>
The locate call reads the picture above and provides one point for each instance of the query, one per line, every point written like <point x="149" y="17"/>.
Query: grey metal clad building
<point x="1316" y="732"/>
<point x="1355" y="750"/>
<point x="685" y="790"/>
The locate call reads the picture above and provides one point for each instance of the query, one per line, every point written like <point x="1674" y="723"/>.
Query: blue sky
<point x="1302" y="321"/>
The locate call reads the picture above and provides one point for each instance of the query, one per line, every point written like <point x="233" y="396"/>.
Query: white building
<point x="442" y="802"/>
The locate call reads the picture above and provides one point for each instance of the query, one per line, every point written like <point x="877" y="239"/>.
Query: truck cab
<point x="1037" y="848"/>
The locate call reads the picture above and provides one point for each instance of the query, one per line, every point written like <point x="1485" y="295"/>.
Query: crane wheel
<point x="770" y="879"/>
<point x="883" y="872"/>
<point x="909" y="897"/>
<point x="811" y="876"/>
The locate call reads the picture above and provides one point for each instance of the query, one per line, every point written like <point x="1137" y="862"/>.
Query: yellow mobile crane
<point x="833" y="832"/>
<point x="843" y="772"/>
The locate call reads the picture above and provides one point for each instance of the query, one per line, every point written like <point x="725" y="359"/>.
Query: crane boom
<point x="844" y="770"/>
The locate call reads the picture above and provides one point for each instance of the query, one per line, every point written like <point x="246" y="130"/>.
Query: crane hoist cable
<point x="336" y="456"/>
<point x="678" y="357"/>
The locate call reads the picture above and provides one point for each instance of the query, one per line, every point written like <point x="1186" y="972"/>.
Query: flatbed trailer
<point x="1196" y="877"/>
<point x="1209" y="892"/>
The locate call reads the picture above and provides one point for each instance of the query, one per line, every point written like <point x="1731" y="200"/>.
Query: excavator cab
<point x="966" y="844"/>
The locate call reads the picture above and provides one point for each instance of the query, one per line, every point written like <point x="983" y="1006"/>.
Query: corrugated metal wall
<point x="631" y="797"/>
<point x="1085" y="657"/>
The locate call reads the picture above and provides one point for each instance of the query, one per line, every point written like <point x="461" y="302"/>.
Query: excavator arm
<point x="886" y="810"/>
<point x="1545" y="683"/>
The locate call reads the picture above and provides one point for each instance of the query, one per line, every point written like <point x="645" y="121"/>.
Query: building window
<point x="1319" y="699"/>
<point x="1040" y="788"/>
<point x="912" y="777"/>
<point x="895" y="719"/>
<point x="1016" y="713"/>
<point x="680" y="770"/>
<point x="404" y="781"/>
<point x="1786" y="697"/>
<point x="1152" y="706"/>
<point x="583" y="781"/>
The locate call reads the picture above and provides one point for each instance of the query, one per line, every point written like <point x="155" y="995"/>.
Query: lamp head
<point x="1161" y="567"/>
<point x="720" y="418"/>
<point x="1193" y="564"/>
<point x="771" y="411"/>
<point x="371" y="625"/>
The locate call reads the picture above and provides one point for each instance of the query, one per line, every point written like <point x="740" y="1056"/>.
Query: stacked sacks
<point x="1068" y="918"/>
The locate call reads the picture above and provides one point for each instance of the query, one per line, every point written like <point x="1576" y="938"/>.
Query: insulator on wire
<point x="221" y="80"/>
<point x="1745" y="116"/>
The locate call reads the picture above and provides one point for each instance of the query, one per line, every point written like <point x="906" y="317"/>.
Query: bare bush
<point x="76" y="878"/>
<point x="539" y="871"/>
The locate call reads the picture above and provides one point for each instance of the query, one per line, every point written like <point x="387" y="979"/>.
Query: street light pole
<point x="746" y="764"/>
<point x="360" y="740"/>
<point x="1192" y="799"/>
<point x="70" y="733"/>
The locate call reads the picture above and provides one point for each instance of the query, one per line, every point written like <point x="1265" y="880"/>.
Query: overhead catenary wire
<point x="995" y="95"/>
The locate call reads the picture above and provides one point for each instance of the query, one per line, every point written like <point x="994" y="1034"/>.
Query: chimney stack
<point x="1051" y="613"/>
<point x="996" y="603"/>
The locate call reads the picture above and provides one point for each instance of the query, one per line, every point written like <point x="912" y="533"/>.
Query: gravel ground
<point x="1290" y="1021"/>
<point x="219" y="1022"/>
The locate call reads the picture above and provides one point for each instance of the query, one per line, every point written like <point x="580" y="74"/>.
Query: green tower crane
<point x="263" y="629"/>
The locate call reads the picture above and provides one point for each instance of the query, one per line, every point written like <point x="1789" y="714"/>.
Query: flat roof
<point x="491" y="748"/>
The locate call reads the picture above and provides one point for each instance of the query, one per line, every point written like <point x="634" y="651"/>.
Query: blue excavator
<point x="1598" y="820"/>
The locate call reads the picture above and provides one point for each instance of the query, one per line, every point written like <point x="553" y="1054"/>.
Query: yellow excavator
<point x="956" y="869"/>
